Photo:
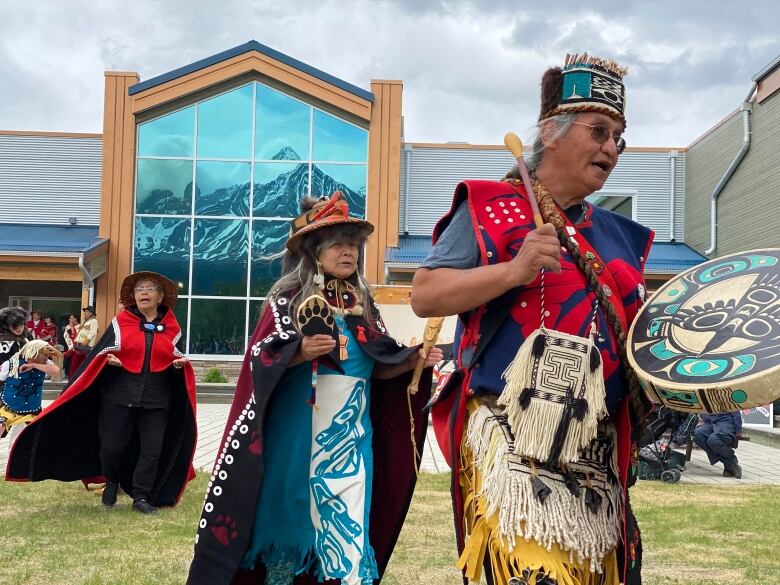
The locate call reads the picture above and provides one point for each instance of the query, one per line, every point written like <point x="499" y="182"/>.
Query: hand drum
<point x="709" y="339"/>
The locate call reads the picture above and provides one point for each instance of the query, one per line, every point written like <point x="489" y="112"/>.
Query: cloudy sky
<point x="470" y="69"/>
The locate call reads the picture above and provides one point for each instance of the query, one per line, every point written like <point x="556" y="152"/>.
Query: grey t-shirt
<point x="457" y="247"/>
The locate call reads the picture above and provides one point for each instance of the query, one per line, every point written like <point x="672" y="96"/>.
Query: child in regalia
<point x="22" y="379"/>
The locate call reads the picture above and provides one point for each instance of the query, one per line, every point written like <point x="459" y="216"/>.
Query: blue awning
<point x="672" y="257"/>
<point x="665" y="257"/>
<point x="410" y="250"/>
<point x="32" y="239"/>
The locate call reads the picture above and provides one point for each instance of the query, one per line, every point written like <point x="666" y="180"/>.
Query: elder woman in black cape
<point x="317" y="466"/>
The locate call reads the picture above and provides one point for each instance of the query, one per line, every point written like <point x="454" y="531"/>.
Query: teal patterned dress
<point x="316" y="493"/>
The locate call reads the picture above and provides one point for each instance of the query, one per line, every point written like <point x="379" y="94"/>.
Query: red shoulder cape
<point x="63" y="442"/>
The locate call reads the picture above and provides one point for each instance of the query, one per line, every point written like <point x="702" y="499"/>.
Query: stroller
<point x="657" y="458"/>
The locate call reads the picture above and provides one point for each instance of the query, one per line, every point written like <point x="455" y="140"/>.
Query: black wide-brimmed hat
<point x="170" y="290"/>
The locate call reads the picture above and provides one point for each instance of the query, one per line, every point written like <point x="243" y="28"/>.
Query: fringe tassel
<point x="595" y="358"/>
<point x="595" y="391"/>
<point x="509" y="489"/>
<point x="534" y="420"/>
<point x="538" y="345"/>
<point x="606" y="64"/>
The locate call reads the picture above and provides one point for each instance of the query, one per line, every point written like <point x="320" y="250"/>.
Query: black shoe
<point x="734" y="471"/>
<point x="143" y="506"/>
<point x="109" y="493"/>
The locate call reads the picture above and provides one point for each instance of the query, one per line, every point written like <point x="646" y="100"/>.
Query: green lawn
<point x="52" y="533"/>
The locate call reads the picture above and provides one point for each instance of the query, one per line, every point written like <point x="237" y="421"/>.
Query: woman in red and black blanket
<point x="128" y="415"/>
<point x="317" y="465"/>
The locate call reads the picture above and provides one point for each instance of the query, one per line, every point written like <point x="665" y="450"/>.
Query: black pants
<point x="717" y="445"/>
<point x="117" y="425"/>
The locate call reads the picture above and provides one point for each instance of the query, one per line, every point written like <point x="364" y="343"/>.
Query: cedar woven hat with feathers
<point x="584" y="84"/>
<point x="170" y="290"/>
<point x="324" y="213"/>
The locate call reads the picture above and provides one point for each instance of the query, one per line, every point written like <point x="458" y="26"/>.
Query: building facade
<point x="204" y="168"/>
<point x="198" y="172"/>
<point x="50" y="251"/>
<point x="737" y="164"/>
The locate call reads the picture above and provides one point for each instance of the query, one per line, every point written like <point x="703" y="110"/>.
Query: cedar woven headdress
<point x="324" y="213"/>
<point x="584" y="84"/>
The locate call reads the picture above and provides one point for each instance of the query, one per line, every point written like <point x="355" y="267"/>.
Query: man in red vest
<point x="538" y="419"/>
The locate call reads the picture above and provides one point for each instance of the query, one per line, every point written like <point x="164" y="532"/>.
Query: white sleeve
<point x="93" y="329"/>
<point x="4" y="369"/>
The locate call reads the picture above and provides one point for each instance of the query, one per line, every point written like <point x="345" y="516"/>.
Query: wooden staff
<point x="432" y="329"/>
<point x="515" y="146"/>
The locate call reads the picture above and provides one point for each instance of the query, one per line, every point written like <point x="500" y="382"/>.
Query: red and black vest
<point x="490" y="335"/>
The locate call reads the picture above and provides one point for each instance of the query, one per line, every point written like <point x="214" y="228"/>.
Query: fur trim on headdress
<point x="552" y="85"/>
<point x="308" y="202"/>
<point x="12" y="317"/>
<point x="322" y="213"/>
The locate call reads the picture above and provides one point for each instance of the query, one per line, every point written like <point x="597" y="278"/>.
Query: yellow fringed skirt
<point x="12" y="418"/>
<point x="528" y="560"/>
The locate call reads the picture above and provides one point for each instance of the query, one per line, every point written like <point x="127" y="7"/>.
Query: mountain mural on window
<point x="287" y="153"/>
<point x="279" y="197"/>
<point x="165" y="201"/>
<point x="323" y="184"/>
<point x="282" y="196"/>
<point x="220" y="257"/>
<point x="268" y="241"/>
<point x="225" y="201"/>
<point x="163" y="245"/>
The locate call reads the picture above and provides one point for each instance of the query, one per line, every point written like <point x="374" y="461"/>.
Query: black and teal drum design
<point x="709" y="339"/>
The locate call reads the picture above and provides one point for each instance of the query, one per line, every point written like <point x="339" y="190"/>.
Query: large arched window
<point x="217" y="183"/>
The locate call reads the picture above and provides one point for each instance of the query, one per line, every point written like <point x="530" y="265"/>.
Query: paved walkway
<point x="211" y="423"/>
<point x="760" y="464"/>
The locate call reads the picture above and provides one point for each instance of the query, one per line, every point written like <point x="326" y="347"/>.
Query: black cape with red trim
<point x="227" y="521"/>
<point x="63" y="442"/>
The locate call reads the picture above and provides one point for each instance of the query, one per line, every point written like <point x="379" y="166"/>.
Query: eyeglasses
<point x="601" y="134"/>
<point x="145" y="289"/>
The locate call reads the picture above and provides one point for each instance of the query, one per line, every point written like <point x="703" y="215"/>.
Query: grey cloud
<point x="470" y="69"/>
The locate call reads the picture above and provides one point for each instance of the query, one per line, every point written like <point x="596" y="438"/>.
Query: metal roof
<point x="767" y="70"/>
<point x="672" y="257"/>
<point x="49" y="179"/>
<point x="410" y="250"/>
<point x="35" y="239"/>
<point x="245" y="48"/>
<point x="665" y="257"/>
